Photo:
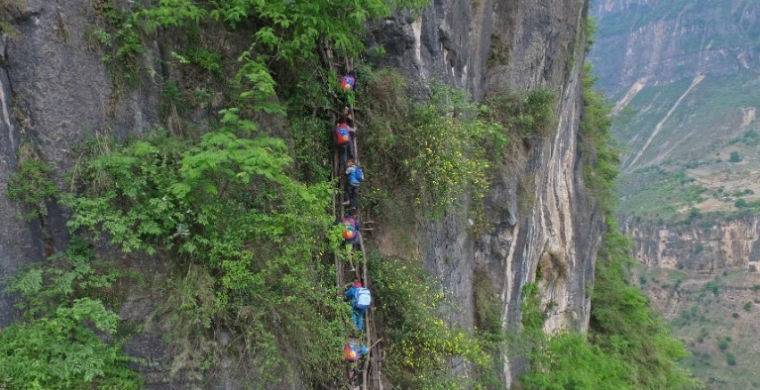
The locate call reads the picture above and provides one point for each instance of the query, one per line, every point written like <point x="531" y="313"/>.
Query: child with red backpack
<point x="353" y="351"/>
<point x="348" y="82"/>
<point x="344" y="139"/>
<point x="350" y="229"/>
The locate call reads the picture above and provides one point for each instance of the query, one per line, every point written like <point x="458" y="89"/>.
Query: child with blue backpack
<point x="361" y="300"/>
<point x="354" y="177"/>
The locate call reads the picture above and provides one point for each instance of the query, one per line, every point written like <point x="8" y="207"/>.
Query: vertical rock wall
<point x="56" y="93"/>
<point x="540" y="215"/>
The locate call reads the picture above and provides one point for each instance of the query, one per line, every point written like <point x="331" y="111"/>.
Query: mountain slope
<point x="684" y="79"/>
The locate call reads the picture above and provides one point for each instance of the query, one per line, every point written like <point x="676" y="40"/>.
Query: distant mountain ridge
<point x="665" y="41"/>
<point x="684" y="78"/>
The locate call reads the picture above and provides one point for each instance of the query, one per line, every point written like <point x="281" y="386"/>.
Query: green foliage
<point x="665" y="195"/>
<point x="750" y="138"/>
<point x="591" y="28"/>
<point x="564" y="361"/>
<point x="65" y="350"/>
<point x="713" y="287"/>
<point x="490" y="334"/>
<point x="624" y="326"/>
<point x="532" y="316"/>
<point x="65" y="276"/>
<point x="445" y="158"/>
<point x="32" y="186"/>
<point x="730" y="359"/>
<point x="440" y="148"/>
<point x="600" y="154"/>
<point x="568" y="361"/>
<point x="203" y="58"/>
<point x="723" y="344"/>
<point x="735" y="157"/>
<point x="287" y="36"/>
<point x="252" y="235"/>
<point x="748" y="306"/>
<point x="523" y="115"/>
<point x="59" y="343"/>
<point x="420" y="345"/>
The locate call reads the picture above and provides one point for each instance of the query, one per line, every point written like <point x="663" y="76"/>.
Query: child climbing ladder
<point x="347" y="168"/>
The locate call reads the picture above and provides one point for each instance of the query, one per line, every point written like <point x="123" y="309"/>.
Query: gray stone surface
<point x="488" y="47"/>
<point x="56" y="93"/>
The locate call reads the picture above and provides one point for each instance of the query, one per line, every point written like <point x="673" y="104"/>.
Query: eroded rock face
<point x="489" y="47"/>
<point x="708" y="247"/>
<point x="56" y="93"/>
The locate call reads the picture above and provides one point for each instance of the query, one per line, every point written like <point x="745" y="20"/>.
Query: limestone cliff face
<point x="57" y="93"/>
<point x="707" y="247"/>
<point x="540" y="216"/>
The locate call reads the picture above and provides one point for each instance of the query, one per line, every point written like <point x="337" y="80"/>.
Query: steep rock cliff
<point x="486" y="48"/>
<point x="56" y="93"/>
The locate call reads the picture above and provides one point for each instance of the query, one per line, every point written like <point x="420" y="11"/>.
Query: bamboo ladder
<point x="371" y="361"/>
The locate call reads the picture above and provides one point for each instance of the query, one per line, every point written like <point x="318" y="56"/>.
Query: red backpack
<point x="349" y="354"/>
<point x="347" y="83"/>
<point x="342" y="134"/>
<point x="349" y="229"/>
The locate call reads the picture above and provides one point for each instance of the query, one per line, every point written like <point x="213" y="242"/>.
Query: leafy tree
<point x="438" y="148"/>
<point x="730" y="359"/>
<point x="251" y="235"/>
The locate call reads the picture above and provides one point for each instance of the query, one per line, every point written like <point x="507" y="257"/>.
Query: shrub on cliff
<point x="420" y="344"/>
<point x="67" y="336"/>
<point x="65" y="350"/>
<point x="204" y="206"/>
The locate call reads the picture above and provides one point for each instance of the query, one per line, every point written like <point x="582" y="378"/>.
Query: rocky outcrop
<point x="542" y="224"/>
<point x="705" y="246"/>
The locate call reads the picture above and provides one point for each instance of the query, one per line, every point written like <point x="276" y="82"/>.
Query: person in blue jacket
<point x="354" y="177"/>
<point x="361" y="299"/>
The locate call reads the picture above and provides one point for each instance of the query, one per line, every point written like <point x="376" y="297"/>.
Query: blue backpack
<point x="363" y="298"/>
<point x="357" y="175"/>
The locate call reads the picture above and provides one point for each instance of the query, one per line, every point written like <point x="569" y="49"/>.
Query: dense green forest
<point x="238" y="212"/>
